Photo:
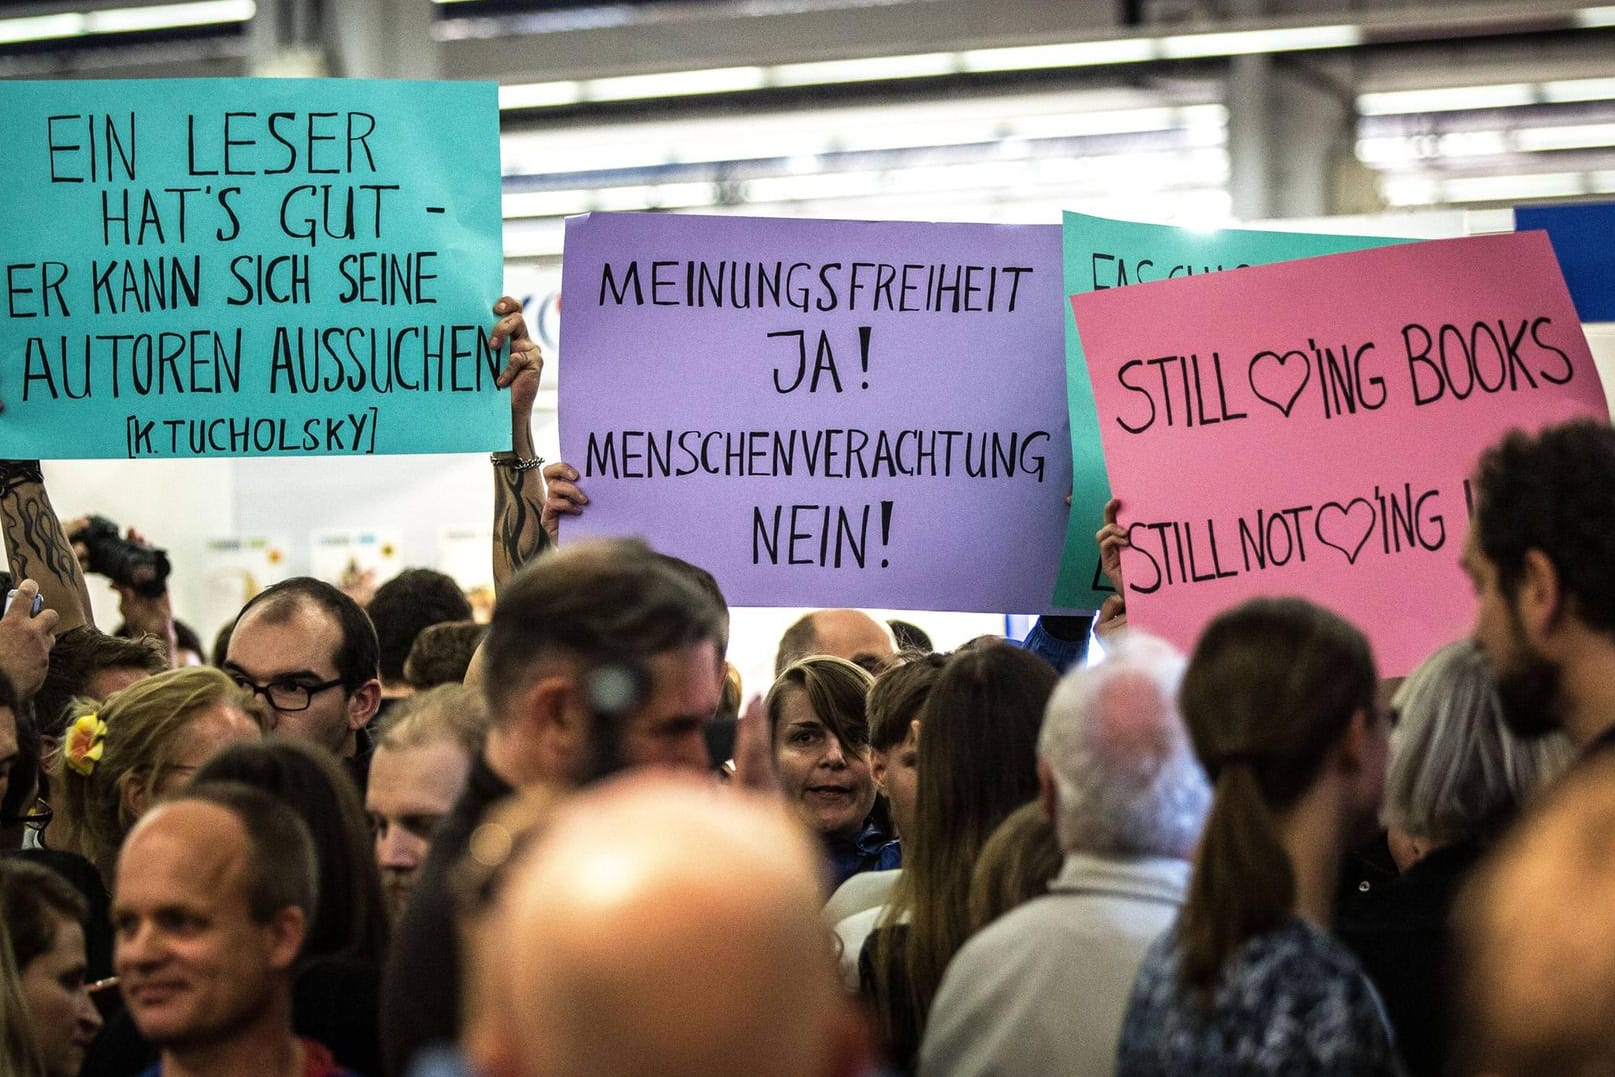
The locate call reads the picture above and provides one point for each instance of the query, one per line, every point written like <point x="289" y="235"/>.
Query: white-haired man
<point x="1043" y="989"/>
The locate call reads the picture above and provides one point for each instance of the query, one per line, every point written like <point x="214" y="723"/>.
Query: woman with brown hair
<point x="1279" y="702"/>
<point x="42" y="929"/>
<point x="977" y="764"/>
<point x="819" y="727"/>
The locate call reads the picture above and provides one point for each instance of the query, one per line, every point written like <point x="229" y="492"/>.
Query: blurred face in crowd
<point x="1527" y="683"/>
<point x="205" y="735"/>
<point x="830" y="784"/>
<point x="410" y="791"/>
<point x="897" y="773"/>
<point x="298" y="651"/>
<point x="104" y="682"/>
<point x="63" y="1018"/>
<point x="670" y="729"/>
<point x="195" y="967"/>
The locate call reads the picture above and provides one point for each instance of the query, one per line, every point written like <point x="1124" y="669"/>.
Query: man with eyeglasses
<point x="309" y="652"/>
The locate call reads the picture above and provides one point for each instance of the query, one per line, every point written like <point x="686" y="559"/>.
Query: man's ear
<point x="553" y="716"/>
<point x="363" y="704"/>
<point x="877" y="769"/>
<point x="1048" y="794"/>
<point x="1538" y="599"/>
<point x="284" y="933"/>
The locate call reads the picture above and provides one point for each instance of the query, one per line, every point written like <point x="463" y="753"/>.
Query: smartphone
<point x="39" y="602"/>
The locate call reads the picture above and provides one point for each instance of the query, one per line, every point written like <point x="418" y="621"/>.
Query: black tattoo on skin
<point x="521" y="532"/>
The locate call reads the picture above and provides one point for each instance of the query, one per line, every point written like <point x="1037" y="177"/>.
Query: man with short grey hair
<point x="1043" y="989"/>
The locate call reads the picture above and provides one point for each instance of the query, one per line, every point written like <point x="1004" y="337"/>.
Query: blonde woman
<point x="117" y="758"/>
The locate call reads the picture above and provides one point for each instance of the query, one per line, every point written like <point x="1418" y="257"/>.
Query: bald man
<point x="622" y="954"/>
<point x="1536" y="940"/>
<point x="849" y="634"/>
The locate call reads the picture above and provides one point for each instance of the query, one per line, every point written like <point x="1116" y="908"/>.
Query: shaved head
<point x="628" y="953"/>
<point x="849" y="634"/>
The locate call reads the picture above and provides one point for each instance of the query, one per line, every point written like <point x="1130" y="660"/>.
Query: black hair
<point x="414" y="599"/>
<point x="1553" y="492"/>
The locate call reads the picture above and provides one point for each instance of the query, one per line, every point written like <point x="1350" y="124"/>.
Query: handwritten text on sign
<point x="1309" y="428"/>
<point x="822" y="412"/>
<point x="248" y="267"/>
<point x="1101" y="254"/>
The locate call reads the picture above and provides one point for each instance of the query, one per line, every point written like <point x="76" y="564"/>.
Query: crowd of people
<point x="384" y="840"/>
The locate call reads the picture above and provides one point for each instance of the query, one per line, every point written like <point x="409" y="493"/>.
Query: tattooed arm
<point x="518" y="506"/>
<point x="36" y="545"/>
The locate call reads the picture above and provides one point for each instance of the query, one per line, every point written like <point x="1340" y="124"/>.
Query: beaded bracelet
<point x="514" y="462"/>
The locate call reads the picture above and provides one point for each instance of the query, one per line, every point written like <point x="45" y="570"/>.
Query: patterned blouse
<point x="1292" y="1002"/>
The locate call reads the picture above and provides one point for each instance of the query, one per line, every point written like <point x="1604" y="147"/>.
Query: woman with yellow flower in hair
<point x="117" y="758"/>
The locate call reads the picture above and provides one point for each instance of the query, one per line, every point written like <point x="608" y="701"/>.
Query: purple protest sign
<point x="823" y="413"/>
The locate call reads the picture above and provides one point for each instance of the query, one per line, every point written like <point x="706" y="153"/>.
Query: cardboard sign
<point x="1101" y="254"/>
<point x="243" y="267"/>
<point x="1310" y="428"/>
<point x="822" y="413"/>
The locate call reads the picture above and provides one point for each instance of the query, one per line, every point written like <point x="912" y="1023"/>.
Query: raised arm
<point x="36" y="545"/>
<point x="518" y="488"/>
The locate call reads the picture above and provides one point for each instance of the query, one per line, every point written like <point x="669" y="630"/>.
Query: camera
<point x="142" y="568"/>
<point x="38" y="604"/>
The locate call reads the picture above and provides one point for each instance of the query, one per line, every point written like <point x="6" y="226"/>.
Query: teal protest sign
<point x="233" y="267"/>
<point x="1100" y="254"/>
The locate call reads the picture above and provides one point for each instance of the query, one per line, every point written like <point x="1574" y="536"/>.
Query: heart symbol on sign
<point x="1352" y="529"/>
<point x="1279" y="372"/>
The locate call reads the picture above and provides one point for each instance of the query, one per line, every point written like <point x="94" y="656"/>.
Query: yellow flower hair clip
<point x="86" y="740"/>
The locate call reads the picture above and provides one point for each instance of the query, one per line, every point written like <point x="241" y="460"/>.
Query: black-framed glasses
<point x="35" y="818"/>
<point x="285" y="695"/>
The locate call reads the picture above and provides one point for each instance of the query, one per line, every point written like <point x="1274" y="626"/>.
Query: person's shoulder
<point x="1315" y="979"/>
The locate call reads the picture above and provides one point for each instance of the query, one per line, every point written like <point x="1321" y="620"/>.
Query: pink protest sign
<point x="1309" y="427"/>
<point x="823" y="413"/>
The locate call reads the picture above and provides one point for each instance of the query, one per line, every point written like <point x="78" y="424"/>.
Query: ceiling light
<point x="166" y="16"/>
<point x="867" y="69"/>
<point x="1130" y="50"/>
<point x="544" y="203"/>
<point x="1446" y="99"/>
<point x="540" y="94"/>
<point x="1561" y="91"/>
<point x="1514" y="188"/>
<point x="1585" y="136"/>
<point x="674" y="84"/>
<point x="1244" y="42"/>
<point x="41" y="27"/>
